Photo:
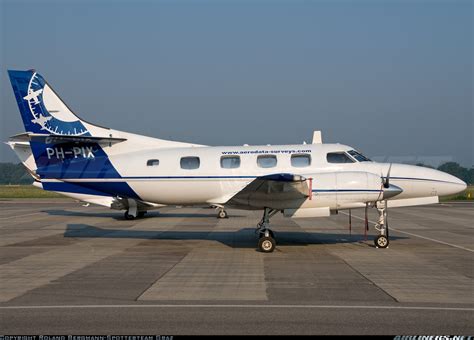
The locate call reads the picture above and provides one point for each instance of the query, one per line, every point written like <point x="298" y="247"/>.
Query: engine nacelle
<point x="343" y="190"/>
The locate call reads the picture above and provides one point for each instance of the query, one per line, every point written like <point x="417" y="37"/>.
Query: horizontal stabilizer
<point x="51" y="138"/>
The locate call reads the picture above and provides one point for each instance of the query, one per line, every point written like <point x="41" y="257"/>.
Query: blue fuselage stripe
<point x="232" y="177"/>
<point x="420" y="179"/>
<point x="344" y="190"/>
<point x="185" y="177"/>
<point x="252" y="177"/>
<point x="120" y="187"/>
<point x="220" y="177"/>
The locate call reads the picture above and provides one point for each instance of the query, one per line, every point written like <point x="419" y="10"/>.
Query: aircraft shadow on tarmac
<point x="243" y="238"/>
<point x="119" y="216"/>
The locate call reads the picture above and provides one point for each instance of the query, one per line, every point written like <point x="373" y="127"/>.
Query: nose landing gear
<point x="381" y="241"/>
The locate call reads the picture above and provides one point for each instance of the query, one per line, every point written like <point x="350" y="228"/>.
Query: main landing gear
<point x="132" y="212"/>
<point x="381" y="241"/>
<point x="266" y="242"/>
<point x="222" y="214"/>
<point x="129" y="216"/>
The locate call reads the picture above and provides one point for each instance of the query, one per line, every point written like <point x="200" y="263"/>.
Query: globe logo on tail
<point x="49" y="112"/>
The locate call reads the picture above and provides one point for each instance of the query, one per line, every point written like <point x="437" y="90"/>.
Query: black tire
<point x="266" y="244"/>
<point x="127" y="216"/>
<point x="381" y="241"/>
<point x="222" y="214"/>
<point x="141" y="214"/>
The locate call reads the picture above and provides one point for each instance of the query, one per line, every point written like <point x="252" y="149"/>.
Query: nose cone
<point x="445" y="184"/>
<point x="417" y="181"/>
<point x="453" y="185"/>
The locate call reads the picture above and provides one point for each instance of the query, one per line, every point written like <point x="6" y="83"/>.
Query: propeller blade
<point x="386" y="183"/>
<point x="350" y="222"/>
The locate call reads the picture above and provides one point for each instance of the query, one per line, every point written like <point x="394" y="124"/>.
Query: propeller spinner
<point x="389" y="190"/>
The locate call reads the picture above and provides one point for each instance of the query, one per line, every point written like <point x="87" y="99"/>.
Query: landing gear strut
<point x="266" y="242"/>
<point x="381" y="241"/>
<point x="132" y="212"/>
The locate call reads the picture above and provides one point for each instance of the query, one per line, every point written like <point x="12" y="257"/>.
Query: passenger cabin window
<point x="230" y="162"/>
<point x="358" y="156"/>
<point x="190" y="163"/>
<point x="267" y="161"/>
<point x="338" y="157"/>
<point x="153" y="162"/>
<point x="300" y="161"/>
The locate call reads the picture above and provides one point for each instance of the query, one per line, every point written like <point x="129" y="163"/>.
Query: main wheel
<point x="127" y="216"/>
<point x="266" y="244"/>
<point x="141" y="214"/>
<point x="222" y="214"/>
<point x="381" y="241"/>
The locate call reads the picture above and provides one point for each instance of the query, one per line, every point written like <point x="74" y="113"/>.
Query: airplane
<point x="42" y="120"/>
<point x="33" y="95"/>
<point x="135" y="173"/>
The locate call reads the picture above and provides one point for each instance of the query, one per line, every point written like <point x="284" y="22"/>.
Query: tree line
<point x="11" y="173"/>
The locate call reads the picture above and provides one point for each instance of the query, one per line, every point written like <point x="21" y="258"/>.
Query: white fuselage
<point x="334" y="185"/>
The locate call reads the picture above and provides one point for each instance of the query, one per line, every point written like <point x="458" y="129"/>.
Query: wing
<point x="277" y="191"/>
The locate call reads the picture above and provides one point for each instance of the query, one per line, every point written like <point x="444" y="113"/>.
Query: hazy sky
<point x="387" y="77"/>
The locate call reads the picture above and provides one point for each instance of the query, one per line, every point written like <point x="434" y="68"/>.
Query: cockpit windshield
<point x="358" y="156"/>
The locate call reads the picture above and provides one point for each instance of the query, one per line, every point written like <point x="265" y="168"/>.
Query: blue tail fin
<point x="42" y="110"/>
<point x="65" y="148"/>
<point x="62" y="145"/>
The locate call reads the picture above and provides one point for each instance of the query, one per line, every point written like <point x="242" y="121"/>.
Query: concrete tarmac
<point x="70" y="269"/>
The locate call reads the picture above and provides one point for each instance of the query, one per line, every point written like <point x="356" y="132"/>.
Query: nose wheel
<point x="381" y="241"/>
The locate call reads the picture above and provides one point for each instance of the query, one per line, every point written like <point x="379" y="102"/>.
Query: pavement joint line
<point x="457" y="202"/>
<point x="18" y="216"/>
<point x="416" y="235"/>
<point x="466" y="309"/>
